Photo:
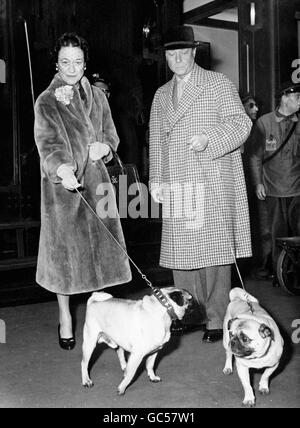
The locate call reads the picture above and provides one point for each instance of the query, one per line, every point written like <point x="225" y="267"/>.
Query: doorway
<point x="216" y="23"/>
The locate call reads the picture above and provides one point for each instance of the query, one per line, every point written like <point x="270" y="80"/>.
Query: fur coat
<point x="76" y="254"/>
<point x="206" y="222"/>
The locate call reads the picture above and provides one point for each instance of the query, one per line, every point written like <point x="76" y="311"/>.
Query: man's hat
<point x="289" y="88"/>
<point x="179" y="37"/>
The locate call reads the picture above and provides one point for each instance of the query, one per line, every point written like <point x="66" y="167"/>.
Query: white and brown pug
<point x="140" y="327"/>
<point x="252" y="336"/>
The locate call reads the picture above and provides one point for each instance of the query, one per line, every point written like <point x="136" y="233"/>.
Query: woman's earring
<point x="56" y="67"/>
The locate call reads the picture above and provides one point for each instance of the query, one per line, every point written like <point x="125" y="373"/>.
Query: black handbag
<point x="126" y="182"/>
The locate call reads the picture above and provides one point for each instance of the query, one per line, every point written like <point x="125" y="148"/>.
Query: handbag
<point x="126" y="182"/>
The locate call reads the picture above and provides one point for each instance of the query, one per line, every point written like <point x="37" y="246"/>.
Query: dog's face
<point x="181" y="300"/>
<point x="249" y="338"/>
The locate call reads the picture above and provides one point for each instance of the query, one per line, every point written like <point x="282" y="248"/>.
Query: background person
<point x="101" y="83"/>
<point x="251" y="107"/>
<point x="197" y="125"/>
<point x="74" y="132"/>
<point x="277" y="179"/>
<point x="260" y="227"/>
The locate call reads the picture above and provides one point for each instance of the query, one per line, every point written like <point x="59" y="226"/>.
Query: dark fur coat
<point x="76" y="254"/>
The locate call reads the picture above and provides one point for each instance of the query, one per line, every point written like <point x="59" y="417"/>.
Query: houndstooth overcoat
<point x="205" y="208"/>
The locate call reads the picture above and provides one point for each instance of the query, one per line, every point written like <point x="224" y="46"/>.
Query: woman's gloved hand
<point x="66" y="173"/>
<point x="98" y="150"/>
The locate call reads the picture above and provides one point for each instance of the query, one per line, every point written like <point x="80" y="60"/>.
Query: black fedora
<point x="179" y="37"/>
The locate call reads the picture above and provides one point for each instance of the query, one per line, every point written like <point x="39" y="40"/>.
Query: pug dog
<point x="250" y="335"/>
<point x="140" y="327"/>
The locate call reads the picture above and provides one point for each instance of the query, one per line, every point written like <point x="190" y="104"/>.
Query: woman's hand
<point x="66" y="173"/>
<point x="98" y="150"/>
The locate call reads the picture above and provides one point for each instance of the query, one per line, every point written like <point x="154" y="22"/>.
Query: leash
<point x="160" y="296"/>
<point x="233" y="254"/>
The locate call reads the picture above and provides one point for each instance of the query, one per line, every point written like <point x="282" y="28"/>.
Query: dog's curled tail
<point x="99" y="296"/>
<point x="238" y="293"/>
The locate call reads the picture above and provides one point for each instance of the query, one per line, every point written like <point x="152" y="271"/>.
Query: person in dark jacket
<point x="276" y="167"/>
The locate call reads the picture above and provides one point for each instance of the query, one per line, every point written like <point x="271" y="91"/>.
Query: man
<point x="275" y="165"/>
<point x="101" y="84"/>
<point x="251" y="107"/>
<point x="261" y="233"/>
<point x="196" y="173"/>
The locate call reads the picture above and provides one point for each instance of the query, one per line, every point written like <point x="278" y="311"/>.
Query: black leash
<point x="155" y="291"/>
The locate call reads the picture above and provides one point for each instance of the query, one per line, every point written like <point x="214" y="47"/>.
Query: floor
<point x="36" y="373"/>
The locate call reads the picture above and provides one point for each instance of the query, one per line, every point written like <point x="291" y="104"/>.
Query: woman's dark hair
<point x="71" y="39"/>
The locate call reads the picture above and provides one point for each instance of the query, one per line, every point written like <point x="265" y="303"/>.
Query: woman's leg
<point x="65" y="318"/>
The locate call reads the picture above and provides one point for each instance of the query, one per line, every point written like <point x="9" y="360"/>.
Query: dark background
<point x="134" y="65"/>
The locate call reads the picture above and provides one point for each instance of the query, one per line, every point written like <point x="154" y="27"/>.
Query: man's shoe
<point x="211" y="336"/>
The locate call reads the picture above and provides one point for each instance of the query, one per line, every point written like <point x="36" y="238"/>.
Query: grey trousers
<point x="210" y="286"/>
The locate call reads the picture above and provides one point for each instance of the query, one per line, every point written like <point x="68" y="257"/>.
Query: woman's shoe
<point x="67" y="344"/>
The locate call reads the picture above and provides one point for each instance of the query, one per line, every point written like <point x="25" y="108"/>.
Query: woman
<point x="74" y="132"/>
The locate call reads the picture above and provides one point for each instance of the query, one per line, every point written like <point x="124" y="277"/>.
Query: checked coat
<point x="205" y="208"/>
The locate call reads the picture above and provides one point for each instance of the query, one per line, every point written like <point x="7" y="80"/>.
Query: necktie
<point x="178" y="91"/>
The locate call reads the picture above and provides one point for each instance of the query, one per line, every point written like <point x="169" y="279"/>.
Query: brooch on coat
<point x="64" y="94"/>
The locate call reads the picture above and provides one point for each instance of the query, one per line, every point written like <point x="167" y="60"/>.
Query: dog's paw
<point x="249" y="403"/>
<point x="227" y="370"/>
<point x="264" y="390"/>
<point x="155" y="378"/>
<point x="88" y="383"/>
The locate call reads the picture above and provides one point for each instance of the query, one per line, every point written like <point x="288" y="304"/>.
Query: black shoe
<point x="211" y="336"/>
<point x="67" y="344"/>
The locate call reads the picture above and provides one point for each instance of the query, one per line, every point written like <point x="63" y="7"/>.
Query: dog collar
<point x="165" y="302"/>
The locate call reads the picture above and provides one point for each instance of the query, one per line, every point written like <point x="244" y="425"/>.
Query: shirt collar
<point x="185" y="78"/>
<point x="279" y="117"/>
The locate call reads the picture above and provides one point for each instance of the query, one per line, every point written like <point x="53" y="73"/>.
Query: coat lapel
<point x="168" y="100"/>
<point x="192" y="90"/>
<point x="77" y="107"/>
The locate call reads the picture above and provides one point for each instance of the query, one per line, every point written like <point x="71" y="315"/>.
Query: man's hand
<point x="198" y="143"/>
<point x="157" y="194"/>
<point x="260" y="192"/>
<point x="98" y="150"/>
<point x="66" y="173"/>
